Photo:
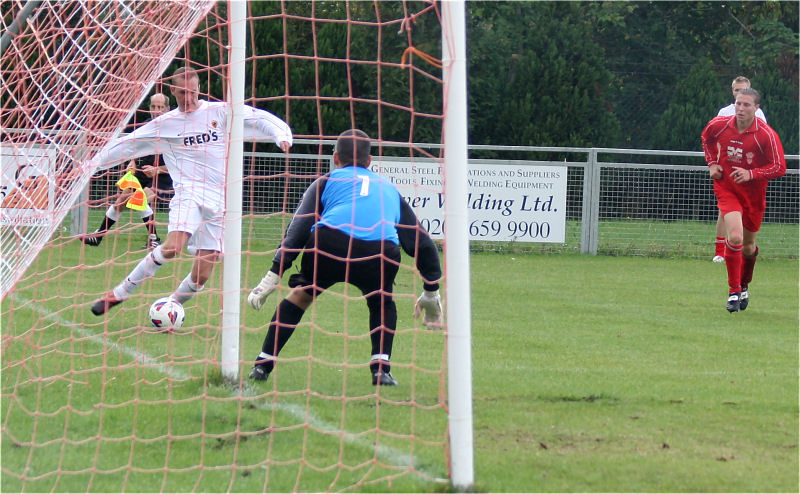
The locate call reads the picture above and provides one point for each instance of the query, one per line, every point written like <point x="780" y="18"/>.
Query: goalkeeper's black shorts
<point x="331" y="256"/>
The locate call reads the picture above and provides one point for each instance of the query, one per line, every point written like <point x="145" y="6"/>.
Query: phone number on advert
<point x="494" y="228"/>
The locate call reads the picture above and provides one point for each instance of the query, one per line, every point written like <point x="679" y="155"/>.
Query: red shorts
<point x="748" y="200"/>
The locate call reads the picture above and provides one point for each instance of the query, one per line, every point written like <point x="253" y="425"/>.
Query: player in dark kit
<point x="155" y="181"/>
<point x="350" y="225"/>
<point x="743" y="153"/>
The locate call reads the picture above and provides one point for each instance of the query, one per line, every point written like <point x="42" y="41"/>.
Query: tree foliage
<point x="533" y="80"/>
<point x="695" y="101"/>
<point x="652" y="46"/>
<point x="614" y="74"/>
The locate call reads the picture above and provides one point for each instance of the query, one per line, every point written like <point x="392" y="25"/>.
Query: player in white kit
<point x="192" y="141"/>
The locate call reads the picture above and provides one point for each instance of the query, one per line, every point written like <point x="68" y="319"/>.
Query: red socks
<point x="748" y="263"/>
<point x="719" y="247"/>
<point x="733" y="261"/>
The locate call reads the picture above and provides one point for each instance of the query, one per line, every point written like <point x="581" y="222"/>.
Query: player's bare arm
<point x="151" y="171"/>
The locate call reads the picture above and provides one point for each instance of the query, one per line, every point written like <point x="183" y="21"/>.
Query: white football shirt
<point x="730" y="110"/>
<point x="193" y="147"/>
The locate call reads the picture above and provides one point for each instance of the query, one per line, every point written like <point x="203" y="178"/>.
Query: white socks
<point x="146" y="268"/>
<point x="146" y="213"/>
<point x="186" y="290"/>
<point x="112" y="214"/>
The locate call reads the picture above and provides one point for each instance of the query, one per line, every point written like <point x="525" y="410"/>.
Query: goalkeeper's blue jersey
<point x="361" y="203"/>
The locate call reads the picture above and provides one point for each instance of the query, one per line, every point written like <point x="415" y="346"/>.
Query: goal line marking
<point x="393" y="456"/>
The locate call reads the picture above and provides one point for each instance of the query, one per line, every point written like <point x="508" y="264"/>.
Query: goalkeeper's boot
<point x="92" y="239"/>
<point x="734" y="302"/>
<point x="744" y="298"/>
<point x="259" y="373"/>
<point x="102" y="305"/>
<point x="383" y="378"/>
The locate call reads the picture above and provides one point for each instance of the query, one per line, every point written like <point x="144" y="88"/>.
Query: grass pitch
<point x="601" y="374"/>
<point x="618" y="374"/>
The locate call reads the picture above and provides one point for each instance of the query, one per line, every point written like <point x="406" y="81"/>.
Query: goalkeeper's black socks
<point x="287" y="316"/>
<point x="382" y="323"/>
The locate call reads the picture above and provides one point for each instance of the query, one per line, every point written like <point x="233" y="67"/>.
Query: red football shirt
<point x="757" y="149"/>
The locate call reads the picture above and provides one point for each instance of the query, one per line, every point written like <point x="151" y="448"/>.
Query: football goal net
<point x="113" y="403"/>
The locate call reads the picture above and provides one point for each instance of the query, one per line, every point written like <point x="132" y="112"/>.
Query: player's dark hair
<point x="353" y="147"/>
<point x="752" y="92"/>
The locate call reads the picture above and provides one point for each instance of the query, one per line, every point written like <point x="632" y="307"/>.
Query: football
<point x="167" y="314"/>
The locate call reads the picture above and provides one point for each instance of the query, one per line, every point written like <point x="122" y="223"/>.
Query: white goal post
<point x="459" y="329"/>
<point x="459" y="337"/>
<point x="84" y="68"/>
<point x="454" y="62"/>
<point x="232" y="243"/>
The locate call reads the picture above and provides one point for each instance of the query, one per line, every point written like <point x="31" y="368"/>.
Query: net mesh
<point x="111" y="404"/>
<point x="71" y="76"/>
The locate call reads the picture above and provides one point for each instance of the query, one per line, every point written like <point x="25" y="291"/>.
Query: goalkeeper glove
<point x="260" y="293"/>
<point x="429" y="303"/>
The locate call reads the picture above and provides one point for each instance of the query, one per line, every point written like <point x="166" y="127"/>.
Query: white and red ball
<point x="167" y="314"/>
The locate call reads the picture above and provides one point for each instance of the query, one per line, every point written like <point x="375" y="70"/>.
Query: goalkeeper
<point x="350" y="224"/>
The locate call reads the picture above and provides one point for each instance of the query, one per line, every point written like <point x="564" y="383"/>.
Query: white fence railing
<point x="619" y="201"/>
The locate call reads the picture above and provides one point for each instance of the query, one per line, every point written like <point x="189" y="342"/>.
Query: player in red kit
<point x="743" y="153"/>
<point x="741" y="82"/>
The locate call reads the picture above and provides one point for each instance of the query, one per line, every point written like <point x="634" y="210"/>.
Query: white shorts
<point x="203" y="223"/>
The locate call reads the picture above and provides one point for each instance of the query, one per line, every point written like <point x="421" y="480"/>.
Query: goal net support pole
<point x="73" y="74"/>
<point x="232" y="243"/>
<point x="459" y="331"/>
